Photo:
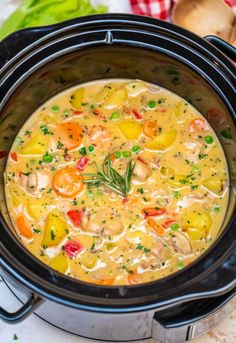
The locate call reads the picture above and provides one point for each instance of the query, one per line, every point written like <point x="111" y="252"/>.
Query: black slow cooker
<point x="37" y="64"/>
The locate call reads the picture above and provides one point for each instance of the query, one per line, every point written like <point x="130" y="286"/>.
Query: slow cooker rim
<point x="157" y="281"/>
<point x="114" y="18"/>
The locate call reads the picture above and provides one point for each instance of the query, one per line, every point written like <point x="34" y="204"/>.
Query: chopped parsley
<point x="52" y="234"/>
<point x="202" y="156"/>
<point x="45" y="130"/>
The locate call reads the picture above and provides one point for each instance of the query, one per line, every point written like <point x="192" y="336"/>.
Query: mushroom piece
<point x="141" y="171"/>
<point x="181" y="243"/>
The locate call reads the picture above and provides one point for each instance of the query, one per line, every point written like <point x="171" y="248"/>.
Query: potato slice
<point x="199" y="220"/>
<point x="77" y="98"/>
<point x="55" y="229"/>
<point x="163" y="141"/>
<point x="117" y="99"/>
<point x="215" y="183"/>
<point x="59" y="263"/>
<point x="35" y="209"/>
<point x="130" y="129"/>
<point x="36" y="146"/>
<point x="103" y="94"/>
<point x="89" y="260"/>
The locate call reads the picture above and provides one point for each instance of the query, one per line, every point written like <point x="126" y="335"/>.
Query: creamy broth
<point x="117" y="182"/>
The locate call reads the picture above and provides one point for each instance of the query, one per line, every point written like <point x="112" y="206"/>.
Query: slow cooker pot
<point x="38" y="63"/>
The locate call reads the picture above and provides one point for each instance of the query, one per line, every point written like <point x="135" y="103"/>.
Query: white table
<point x="33" y="329"/>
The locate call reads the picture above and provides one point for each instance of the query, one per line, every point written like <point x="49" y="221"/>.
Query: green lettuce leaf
<point x="45" y="12"/>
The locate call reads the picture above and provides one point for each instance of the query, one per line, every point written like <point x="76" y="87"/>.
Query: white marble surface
<point x="33" y="329"/>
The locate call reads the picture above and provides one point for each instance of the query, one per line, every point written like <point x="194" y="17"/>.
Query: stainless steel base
<point x="125" y="327"/>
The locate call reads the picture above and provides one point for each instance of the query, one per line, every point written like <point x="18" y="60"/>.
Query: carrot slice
<point x="23" y="226"/>
<point x="69" y="134"/>
<point x="149" y="128"/>
<point x="134" y="278"/>
<point x="106" y="282"/>
<point x="67" y="182"/>
<point x="155" y="226"/>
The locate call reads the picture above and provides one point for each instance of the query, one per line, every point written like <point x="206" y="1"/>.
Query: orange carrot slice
<point x="69" y="134"/>
<point x="149" y="128"/>
<point x="151" y="222"/>
<point x="23" y="226"/>
<point x="106" y="282"/>
<point x="67" y="182"/>
<point x="134" y="278"/>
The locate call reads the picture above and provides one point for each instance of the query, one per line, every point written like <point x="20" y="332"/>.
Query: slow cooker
<point x="40" y="62"/>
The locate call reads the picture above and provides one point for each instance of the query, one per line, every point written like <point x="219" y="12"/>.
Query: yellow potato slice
<point x="163" y="141"/>
<point x="130" y="129"/>
<point x="89" y="260"/>
<point x="102" y="95"/>
<point x="215" y="183"/>
<point x="77" y="98"/>
<point x="116" y="99"/>
<point x="198" y="220"/>
<point x="59" y="263"/>
<point x="37" y="145"/>
<point x="55" y="229"/>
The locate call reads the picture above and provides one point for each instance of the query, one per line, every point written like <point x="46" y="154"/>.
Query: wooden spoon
<point x="206" y="17"/>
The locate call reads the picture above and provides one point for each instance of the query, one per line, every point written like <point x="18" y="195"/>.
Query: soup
<point x="117" y="182"/>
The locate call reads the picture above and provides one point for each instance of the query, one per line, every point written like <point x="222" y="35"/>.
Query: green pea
<point x="180" y="265"/>
<point x="217" y="209"/>
<point x="152" y="104"/>
<point x="209" y="139"/>
<point x="117" y="154"/>
<point x="90" y="193"/>
<point x="83" y="151"/>
<point x="126" y="154"/>
<point x="174" y="227"/>
<point x="136" y="148"/>
<point x="91" y="148"/>
<point x="47" y="158"/>
<point x="55" y="108"/>
<point x="115" y="116"/>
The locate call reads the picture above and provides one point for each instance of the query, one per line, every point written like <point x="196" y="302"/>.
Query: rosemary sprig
<point x="107" y="176"/>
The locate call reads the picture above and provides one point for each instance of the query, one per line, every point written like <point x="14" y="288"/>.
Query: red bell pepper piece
<point x="75" y="216"/>
<point x="77" y="112"/>
<point x="152" y="212"/>
<point x="82" y="163"/>
<point x="167" y="223"/>
<point x="14" y="156"/>
<point x="72" y="248"/>
<point x="137" y="114"/>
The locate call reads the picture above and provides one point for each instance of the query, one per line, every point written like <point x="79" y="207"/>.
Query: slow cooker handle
<point x="223" y="46"/>
<point x="15" y="317"/>
<point x="186" y="322"/>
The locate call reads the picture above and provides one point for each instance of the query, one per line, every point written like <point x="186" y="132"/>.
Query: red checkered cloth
<point x="160" y="8"/>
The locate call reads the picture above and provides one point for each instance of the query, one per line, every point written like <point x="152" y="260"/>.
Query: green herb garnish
<point x="107" y="176"/>
<point x="83" y="151"/>
<point x="45" y="130"/>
